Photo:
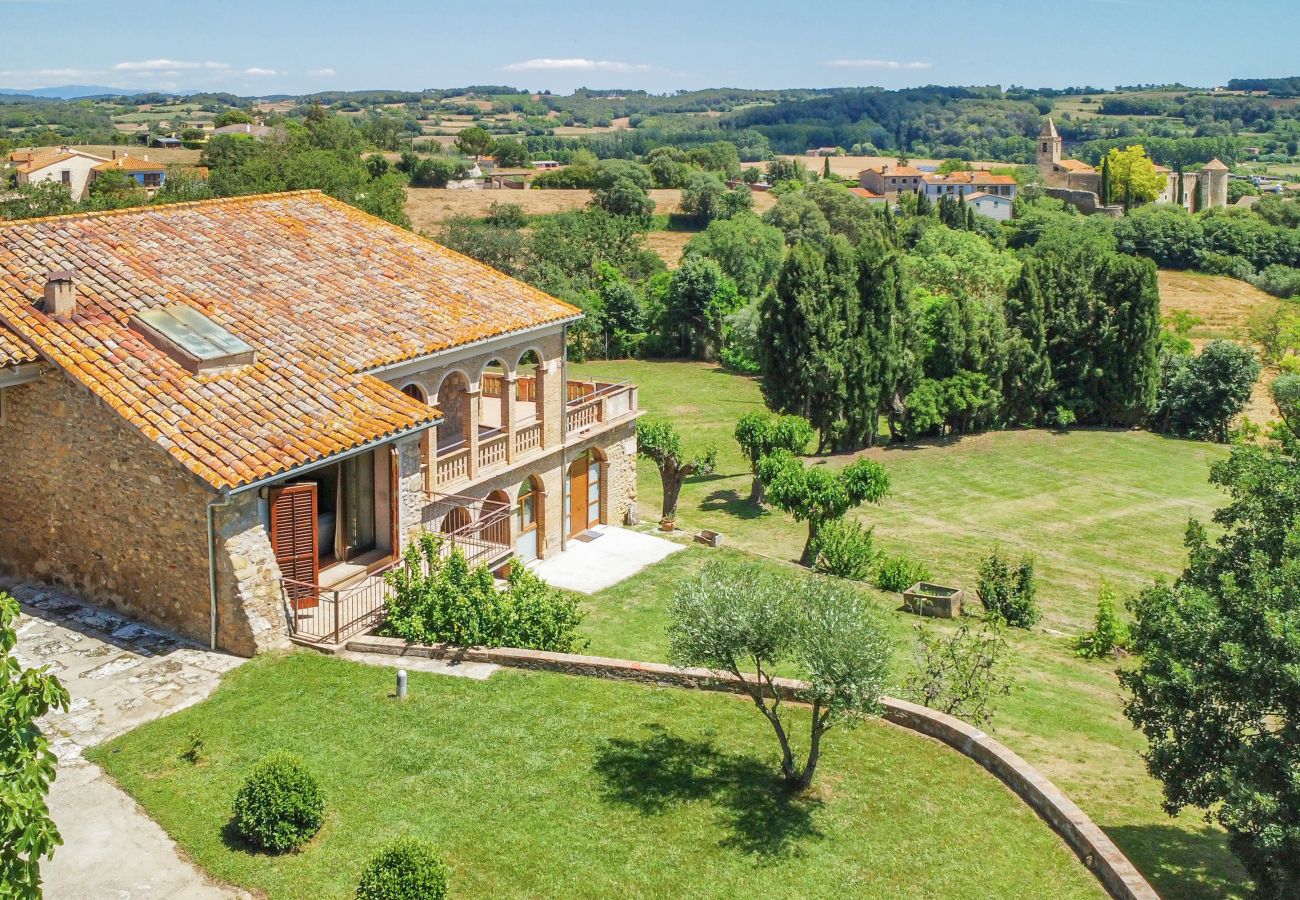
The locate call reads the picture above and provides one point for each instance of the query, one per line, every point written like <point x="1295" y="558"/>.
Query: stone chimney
<point x="60" y="294"/>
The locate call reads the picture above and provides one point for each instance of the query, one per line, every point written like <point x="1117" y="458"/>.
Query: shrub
<point x="845" y="549"/>
<point x="1007" y="592"/>
<point x="280" y="805"/>
<point x="436" y="599"/>
<point x="961" y="674"/>
<point x="1109" y="633"/>
<point x="1223" y="264"/>
<point x="407" y="869"/>
<point x="1278" y="280"/>
<point x="898" y="573"/>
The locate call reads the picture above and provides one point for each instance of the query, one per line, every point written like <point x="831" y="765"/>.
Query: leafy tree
<point x="502" y="248"/>
<point x="474" y="141"/>
<point x="510" y="154"/>
<point x="762" y="433"/>
<point x="962" y="674"/>
<point x="1216" y="690"/>
<point x="1027" y="384"/>
<point x="1133" y="175"/>
<point x="780" y="169"/>
<point x="817" y="496"/>
<point x="625" y="198"/>
<point x="746" y="250"/>
<point x="699" y="298"/>
<point x="705" y="197"/>
<point x="799" y="219"/>
<point x="42" y="198"/>
<point x="658" y="441"/>
<point x="232" y="117"/>
<point x="748" y="622"/>
<point x="27" y="833"/>
<point x="1201" y="395"/>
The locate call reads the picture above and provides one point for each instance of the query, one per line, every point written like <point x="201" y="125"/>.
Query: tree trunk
<point x="671" y="479"/>
<point x="807" y="558"/>
<point x="814" y="750"/>
<point x="757" y="491"/>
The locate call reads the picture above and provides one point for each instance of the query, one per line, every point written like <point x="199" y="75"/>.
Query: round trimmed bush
<point x="280" y="805"/>
<point x="407" y="869"/>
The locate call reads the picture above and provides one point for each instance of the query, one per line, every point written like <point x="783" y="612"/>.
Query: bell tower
<point x="1049" y="148"/>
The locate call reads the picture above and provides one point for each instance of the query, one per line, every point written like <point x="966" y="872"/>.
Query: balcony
<point x="509" y="430"/>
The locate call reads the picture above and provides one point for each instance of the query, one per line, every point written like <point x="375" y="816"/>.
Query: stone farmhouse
<point x="229" y="417"/>
<point x="965" y="184"/>
<point x="886" y="182"/>
<point x="1080" y="183"/>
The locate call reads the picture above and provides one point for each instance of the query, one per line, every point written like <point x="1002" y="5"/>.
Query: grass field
<point x="539" y="785"/>
<point x="1087" y="504"/>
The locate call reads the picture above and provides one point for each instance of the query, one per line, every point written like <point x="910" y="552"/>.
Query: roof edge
<point x="147" y="207"/>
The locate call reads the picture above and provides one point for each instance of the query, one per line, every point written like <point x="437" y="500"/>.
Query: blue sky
<point x="295" y="46"/>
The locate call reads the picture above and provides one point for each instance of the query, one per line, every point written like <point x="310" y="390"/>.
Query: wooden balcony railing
<point x="492" y="450"/>
<point x="606" y="403"/>
<point x="528" y="437"/>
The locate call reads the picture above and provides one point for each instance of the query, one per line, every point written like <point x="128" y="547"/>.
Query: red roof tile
<point x="321" y="290"/>
<point x="13" y="349"/>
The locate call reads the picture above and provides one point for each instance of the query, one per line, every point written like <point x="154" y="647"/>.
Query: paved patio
<point x="120" y="674"/>
<point x="612" y="555"/>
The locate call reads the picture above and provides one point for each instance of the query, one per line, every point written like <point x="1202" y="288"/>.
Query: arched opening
<point x="453" y="403"/>
<point x="493" y="411"/>
<point x="457" y="518"/>
<point x="528" y="518"/>
<point x="584" y="494"/>
<point x="529" y="410"/>
<point x="497" y="509"/>
<point x="415" y="392"/>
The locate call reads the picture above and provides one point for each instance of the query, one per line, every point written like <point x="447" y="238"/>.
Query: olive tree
<point x="737" y="619"/>
<point x="658" y="441"/>
<point x="27" y="832"/>
<point x="818" y="496"/>
<point x="761" y="434"/>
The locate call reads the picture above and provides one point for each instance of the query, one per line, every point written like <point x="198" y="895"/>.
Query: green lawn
<point x="539" y="785"/>
<point x="1088" y="504"/>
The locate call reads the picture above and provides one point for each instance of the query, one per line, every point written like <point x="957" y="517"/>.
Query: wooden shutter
<point x="293" y="539"/>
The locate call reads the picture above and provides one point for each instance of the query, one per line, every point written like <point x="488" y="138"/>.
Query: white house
<point x="994" y="206"/>
<point x="957" y="184"/>
<point x="64" y="165"/>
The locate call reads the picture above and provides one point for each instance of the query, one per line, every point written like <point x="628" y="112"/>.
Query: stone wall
<point x="1085" y="202"/>
<point x="90" y="504"/>
<point x="1117" y="875"/>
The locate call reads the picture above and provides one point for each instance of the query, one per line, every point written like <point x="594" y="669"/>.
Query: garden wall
<point x="1119" y="877"/>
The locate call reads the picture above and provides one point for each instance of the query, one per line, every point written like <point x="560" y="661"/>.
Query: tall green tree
<point x="762" y="433"/>
<point x="27" y="833"/>
<point x="699" y="299"/>
<point x="474" y="141"/>
<point x="1027" y="383"/>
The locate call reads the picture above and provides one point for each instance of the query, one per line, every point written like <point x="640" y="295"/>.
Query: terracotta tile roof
<point x="322" y="292"/>
<point x="894" y="171"/>
<point x="130" y="164"/>
<point x="971" y="178"/>
<point x="13" y="350"/>
<point x="863" y="192"/>
<point x="1074" y="165"/>
<point x="40" y="159"/>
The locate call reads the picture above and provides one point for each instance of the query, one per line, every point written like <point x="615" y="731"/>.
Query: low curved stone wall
<point x="1119" y="877"/>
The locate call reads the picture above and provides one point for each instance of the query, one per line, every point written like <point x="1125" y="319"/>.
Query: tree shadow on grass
<point x="1182" y="862"/>
<point x="731" y="503"/>
<point x="657" y="773"/>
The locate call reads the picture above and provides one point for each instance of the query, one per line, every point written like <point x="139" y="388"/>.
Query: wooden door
<point x="293" y="540"/>
<point x="578" y="497"/>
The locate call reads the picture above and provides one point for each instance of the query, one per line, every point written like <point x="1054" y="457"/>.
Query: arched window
<point x="528" y="515"/>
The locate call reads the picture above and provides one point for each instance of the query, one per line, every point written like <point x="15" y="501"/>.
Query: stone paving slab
<point x="120" y="674"/>
<point x="615" y="555"/>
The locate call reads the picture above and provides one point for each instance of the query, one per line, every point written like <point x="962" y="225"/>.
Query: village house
<point x="888" y="180"/>
<point x="229" y="417"/>
<point x="993" y="206"/>
<point x="68" y="166"/>
<point x="958" y="184"/>
<point x="149" y="175"/>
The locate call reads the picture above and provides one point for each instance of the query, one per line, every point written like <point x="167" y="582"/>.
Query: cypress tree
<point x="1105" y="181"/>
<point x="923" y="205"/>
<point x="1027" y="384"/>
<point x="826" y="168"/>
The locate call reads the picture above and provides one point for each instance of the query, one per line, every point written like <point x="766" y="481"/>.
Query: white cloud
<point x="166" y="65"/>
<point x="259" y="72"/>
<point x="576" y="64"/>
<point x="320" y="73"/>
<point x="892" y="65"/>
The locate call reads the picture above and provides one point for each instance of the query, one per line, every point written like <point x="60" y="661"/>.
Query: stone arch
<point x="494" y="380"/>
<point x="456" y="518"/>
<point x="522" y="352"/>
<point x="498" y="532"/>
<point x="453" y="400"/>
<point x="530" y="518"/>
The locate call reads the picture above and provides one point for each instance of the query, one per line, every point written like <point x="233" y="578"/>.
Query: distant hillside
<point x="72" y="92"/>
